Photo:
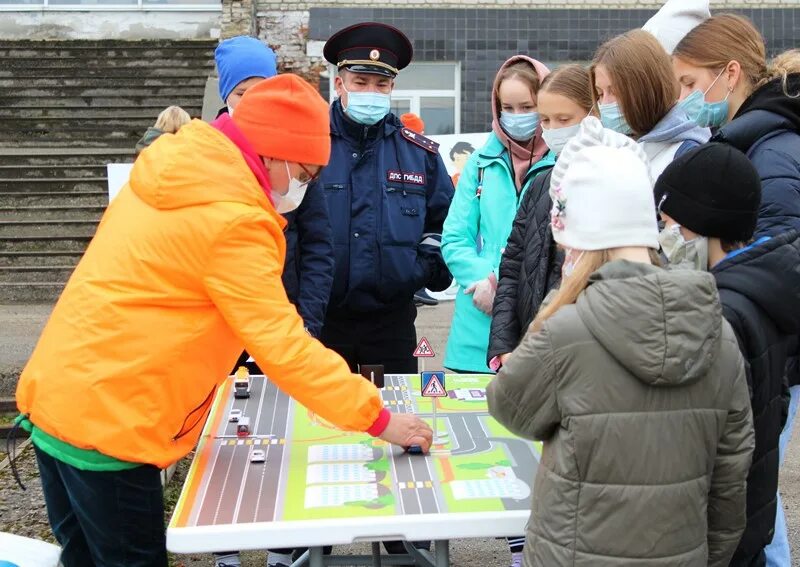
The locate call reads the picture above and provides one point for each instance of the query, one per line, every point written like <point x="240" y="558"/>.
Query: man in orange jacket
<point x="184" y="271"/>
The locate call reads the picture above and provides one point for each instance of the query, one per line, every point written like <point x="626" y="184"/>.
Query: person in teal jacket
<point x="481" y="214"/>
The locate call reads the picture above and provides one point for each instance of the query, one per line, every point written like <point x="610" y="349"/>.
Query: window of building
<point x="431" y="90"/>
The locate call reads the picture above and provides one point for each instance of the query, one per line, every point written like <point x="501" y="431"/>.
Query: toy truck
<point x="241" y="383"/>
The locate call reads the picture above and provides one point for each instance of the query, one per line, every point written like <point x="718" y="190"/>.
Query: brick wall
<point x="238" y="18"/>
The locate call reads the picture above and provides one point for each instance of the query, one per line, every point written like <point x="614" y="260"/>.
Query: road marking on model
<point x="247" y="467"/>
<point x="230" y="463"/>
<point x="210" y="472"/>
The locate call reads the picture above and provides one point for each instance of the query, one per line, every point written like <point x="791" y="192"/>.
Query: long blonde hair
<point x="571" y="287"/>
<point x="171" y="119"/>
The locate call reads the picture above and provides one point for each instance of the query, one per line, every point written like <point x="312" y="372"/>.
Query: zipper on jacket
<point x="405" y="192"/>
<point x="183" y="431"/>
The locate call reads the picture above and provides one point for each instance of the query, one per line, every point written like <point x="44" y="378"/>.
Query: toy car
<point x="243" y="427"/>
<point x="258" y="456"/>
<point x="234" y="416"/>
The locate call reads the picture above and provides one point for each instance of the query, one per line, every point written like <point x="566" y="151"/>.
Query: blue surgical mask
<point x="367" y="108"/>
<point x="703" y="113"/>
<point x="557" y="138"/>
<point x="611" y="117"/>
<point x="519" y="126"/>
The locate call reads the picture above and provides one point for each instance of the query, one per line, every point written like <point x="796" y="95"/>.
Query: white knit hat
<point x="675" y="19"/>
<point x="605" y="199"/>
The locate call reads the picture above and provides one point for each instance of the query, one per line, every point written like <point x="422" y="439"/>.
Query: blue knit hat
<point x="240" y="58"/>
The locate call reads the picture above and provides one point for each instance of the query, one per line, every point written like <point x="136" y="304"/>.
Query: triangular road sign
<point x="433" y="385"/>
<point x="424" y="349"/>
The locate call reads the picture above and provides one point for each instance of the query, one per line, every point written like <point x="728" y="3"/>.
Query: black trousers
<point x="387" y="338"/>
<point x="105" y="519"/>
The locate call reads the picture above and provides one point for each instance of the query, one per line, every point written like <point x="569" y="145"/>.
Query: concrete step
<point x="102" y="90"/>
<point x="30" y="143"/>
<point x="53" y="185"/>
<point x="28" y="171"/>
<point x="55" y="199"/>
<point x="41" y="258"/>
<point x="168" y="73"/>
<point x="204" y="60"/>
<point x="47" y="228"/>
<point x="80" y="155"/>
<point x="59" y="212"/>
<point x="118" y="100"/>
<point x="13" y="124"/>
<point x="67" y="243"/>
<point x="35" y="274"/>
<point x="29" y="292"/>
<point x="85" y="112"/>
<point x="133" y="81"/>
<point x="133" y="50"/>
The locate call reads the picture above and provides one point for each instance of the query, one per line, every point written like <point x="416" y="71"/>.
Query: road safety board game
<point x="268" y="472"/>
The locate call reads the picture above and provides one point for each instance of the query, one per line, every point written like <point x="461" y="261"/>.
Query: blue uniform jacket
<point x="388" y="194"/>
<point x="308" y="270"/>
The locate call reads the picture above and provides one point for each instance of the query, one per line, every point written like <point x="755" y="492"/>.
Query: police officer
<point x="388" y="193"/>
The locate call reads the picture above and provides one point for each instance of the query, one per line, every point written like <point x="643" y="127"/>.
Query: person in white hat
<point x="675" y="19"/>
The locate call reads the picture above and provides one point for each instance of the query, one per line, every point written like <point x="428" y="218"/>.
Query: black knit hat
<point x="712" y="190"/>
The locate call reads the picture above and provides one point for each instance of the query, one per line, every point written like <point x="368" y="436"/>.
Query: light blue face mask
<point x="611" y="117"/>
<point x="520" y="127"/>
<point x="367" y="108"/>
<point x="703" y="113"/>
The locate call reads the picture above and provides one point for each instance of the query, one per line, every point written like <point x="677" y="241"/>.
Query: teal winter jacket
<point x="475" y="233"/>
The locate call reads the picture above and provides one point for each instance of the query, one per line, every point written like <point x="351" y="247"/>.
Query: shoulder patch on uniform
<point x="420" y="140"/>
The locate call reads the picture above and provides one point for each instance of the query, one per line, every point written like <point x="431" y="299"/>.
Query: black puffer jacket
<point x="529" y="269"/>
<point x="767" y="129"/>
<point x="760" y="293"/>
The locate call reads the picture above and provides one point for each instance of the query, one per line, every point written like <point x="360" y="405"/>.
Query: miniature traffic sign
<point x="433" y="385"/>
<point x="424" y="349"/>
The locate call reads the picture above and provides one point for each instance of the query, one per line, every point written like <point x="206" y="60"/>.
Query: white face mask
<point x="557" y="138"/>
<point x="290" y="200"/>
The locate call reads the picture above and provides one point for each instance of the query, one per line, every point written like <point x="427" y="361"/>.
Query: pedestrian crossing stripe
<point x="393" y="402"/>
<point x="254" y="441"/>
<point x="415" y="484"/>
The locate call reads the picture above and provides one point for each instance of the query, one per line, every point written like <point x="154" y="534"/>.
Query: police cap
<point x="369" y="47"/>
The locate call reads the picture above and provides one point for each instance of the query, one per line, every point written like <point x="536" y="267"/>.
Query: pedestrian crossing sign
<point x="433" y="384"/>
<point x="424" y="349"/>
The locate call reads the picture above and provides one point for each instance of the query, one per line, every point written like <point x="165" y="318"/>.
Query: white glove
<point x="483" y="293"/>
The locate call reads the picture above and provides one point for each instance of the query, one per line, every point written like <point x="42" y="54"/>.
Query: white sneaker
<point x="278" y="559"/>
<point x="516" y="559"/>
<point x="227" y="560"/>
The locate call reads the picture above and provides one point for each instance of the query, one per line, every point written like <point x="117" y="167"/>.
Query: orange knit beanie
<point x="285" y="118"/>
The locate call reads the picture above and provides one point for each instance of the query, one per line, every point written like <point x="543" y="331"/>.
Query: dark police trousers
<point x="387" y="338"/>
<point x="105" y="519"/>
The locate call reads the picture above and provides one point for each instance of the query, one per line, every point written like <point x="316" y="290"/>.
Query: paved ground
<point x="21" y="325"/>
